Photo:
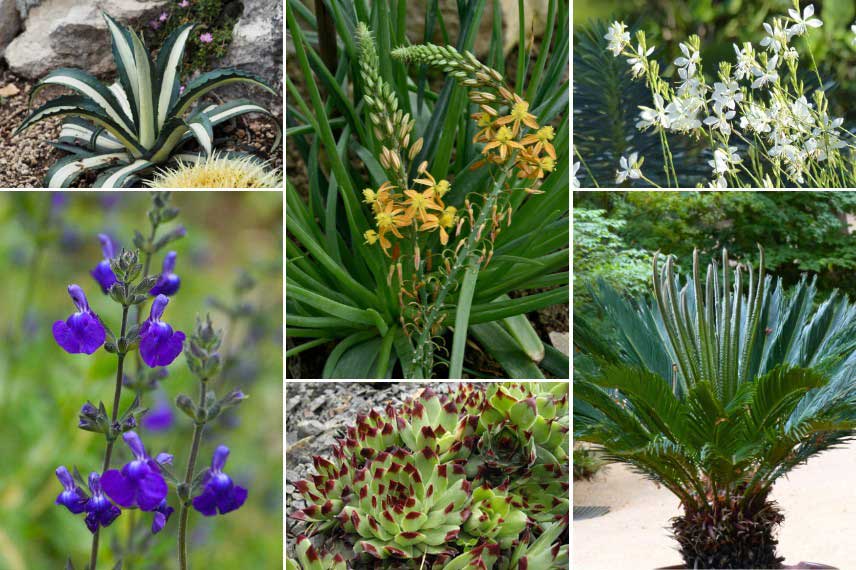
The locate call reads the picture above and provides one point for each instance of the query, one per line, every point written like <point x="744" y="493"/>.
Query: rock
<point x="257" y="47"/>
<point x="72" y="33"/>
<point x="9" y="90"/>
<point x="561" y="341"/>
<point x="309" y="428"/>
<point x="10" y="23"/>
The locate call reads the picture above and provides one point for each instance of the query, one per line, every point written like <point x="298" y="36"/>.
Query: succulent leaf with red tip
<point x="327" y="492"/>
<point x="308" y="558"/>
<point x="407" y="504"/>
<point x="495" y="516"/>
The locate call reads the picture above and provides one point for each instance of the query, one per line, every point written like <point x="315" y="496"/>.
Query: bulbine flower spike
<point x="139" y="483"/>
<point x="220" y="493"/>
<point x="100" y="511"/>
<point x="102" y="273"/>
<point x="72" y="496"/>
<point x="159" y="344"/>
<point x="168" y="282"/>
<point x="82" y="332"/>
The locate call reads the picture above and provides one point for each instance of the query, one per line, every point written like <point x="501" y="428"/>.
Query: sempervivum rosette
<point x="438" y="422"/>
<point x="308" y="558"/>
<point x="524" y="424"/>
<point x="327" y="492"/>
<point x="495" y="516"/>
<point x="407" y="504"/>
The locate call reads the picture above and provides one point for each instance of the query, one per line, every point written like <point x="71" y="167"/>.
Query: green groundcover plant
<point x="715" y="389"/>
<point x="761" y="119"/>
<point x="476" y="478"/>
<point x="145" y="119"/>
<point x="464" y="196"/>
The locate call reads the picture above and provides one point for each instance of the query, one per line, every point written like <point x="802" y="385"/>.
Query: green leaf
<point x="213" y="80"/>
<point x="501" y="346"/>
<point x="327" y="305"/>
<point x="123" y="176"/>
<point x="168" y="71"/>
<point x="65" y="171"/>
<point x="462" y="318"/>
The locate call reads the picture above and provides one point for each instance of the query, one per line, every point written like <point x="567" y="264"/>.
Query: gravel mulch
<point x="25" y="159"/>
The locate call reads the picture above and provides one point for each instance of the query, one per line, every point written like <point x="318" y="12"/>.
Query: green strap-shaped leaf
<point x="78" y="106"/>
<point x="88" y="86"/>
<point x="65" y="171"/>
<point x="499" y="344"/>
<point x="201" y="128"/>
<point x="214" y="79"/>
<point x="122" y="177"/>
<point x="462" y="320"/>
<point x="169" y="71"/>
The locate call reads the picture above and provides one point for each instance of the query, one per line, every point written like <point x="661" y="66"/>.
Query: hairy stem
<point x="198" y="427"/>
<point x="108" y="453"/>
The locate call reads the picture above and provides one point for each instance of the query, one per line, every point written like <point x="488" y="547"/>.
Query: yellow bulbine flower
<point x="541" y="141"/>
<point x="532" y="166"/>
<point x="519" y="114"/>
<point x="439" y="188"/>
<point x="369" y="196"/>
<point x="486" y="125"/>
<point x="371" y="237"/>
<point x="442" y="222"/>
<point x="504" y="141"/>
<point x="418" y="204"/>
<point x="390" y="219"/>
<point x="377" y="200"/>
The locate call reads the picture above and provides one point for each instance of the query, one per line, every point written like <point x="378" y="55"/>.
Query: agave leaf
<point x="78" y="106"/>
<point x="220" y="113"/>
<point x="65" y="171"/>
<point x="126" y="66"/>
<point x="76" y="131"/>
<point x="170" y="137"/>
<point x="123" y="176"/>
<point x="88" y="86"/>
<point x="201" y="128"/>
<point x="168" y="70"/>
<point x="212" y="80"/>
<point x="146" y="121"/>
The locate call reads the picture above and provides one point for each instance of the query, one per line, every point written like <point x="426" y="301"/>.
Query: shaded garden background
<point x="616" y="233"/>
<point x="42" y="388"/>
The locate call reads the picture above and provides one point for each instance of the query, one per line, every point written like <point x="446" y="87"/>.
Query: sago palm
<point x="716" y="388"/>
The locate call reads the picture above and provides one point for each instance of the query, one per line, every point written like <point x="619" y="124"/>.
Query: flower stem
<point x="421" y="358"/>
<point x="93" y="556"/>
<point x="198" y="427"/>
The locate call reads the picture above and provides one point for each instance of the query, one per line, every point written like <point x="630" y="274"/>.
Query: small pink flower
<point x="206" y="38"/>
<point x="154" y="24"/>
<point x="181" y="90"/>
<point x="163" y="16"/>
<point x="184" y="4"/>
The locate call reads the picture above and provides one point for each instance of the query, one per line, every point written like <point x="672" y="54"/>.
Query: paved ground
<point x="817" y="500"/>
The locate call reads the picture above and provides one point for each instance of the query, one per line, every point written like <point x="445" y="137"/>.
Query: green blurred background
<point x="42" y="388"/>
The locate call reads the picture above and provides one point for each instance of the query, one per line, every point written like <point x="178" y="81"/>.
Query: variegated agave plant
<point x="144" y="119"/>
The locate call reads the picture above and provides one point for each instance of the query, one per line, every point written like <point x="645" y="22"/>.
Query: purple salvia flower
<point x="159" y="344"/>
<point x="220" y="493"/>
<point x="139" y="483"/>
<point x="206" y="38"/>
<point x="100" y="511"/>
<point x="72" y="496"/>
<point x="168" y="282"/>
<point x="82" y="332"/>
<point x="160" y="417"/>
<point x="162" y="514"/>
<point x="102" y="273"/>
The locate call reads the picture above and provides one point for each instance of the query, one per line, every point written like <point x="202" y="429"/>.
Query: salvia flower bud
<point x="102" y="273"/>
